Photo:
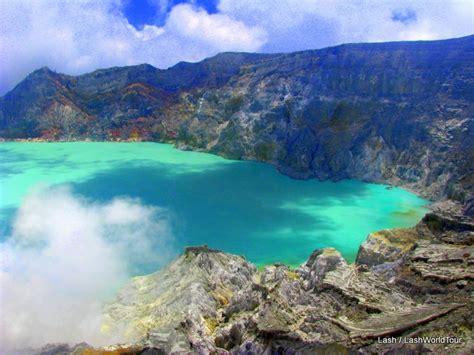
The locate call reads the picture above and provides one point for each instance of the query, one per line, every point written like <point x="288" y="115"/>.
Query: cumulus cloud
<point x="219" y="31"/>
<point x="65" y="257"/>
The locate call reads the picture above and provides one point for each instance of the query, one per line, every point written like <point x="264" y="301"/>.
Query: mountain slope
<point x="398" y="112"/>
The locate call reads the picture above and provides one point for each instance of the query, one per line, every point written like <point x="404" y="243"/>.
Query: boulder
<point x="386" y="246"/>
<point x="318" y="265"/>
<point x="179" y="307"/>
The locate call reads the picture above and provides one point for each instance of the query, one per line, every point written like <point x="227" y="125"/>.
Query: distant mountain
<point x="399" y="112"/>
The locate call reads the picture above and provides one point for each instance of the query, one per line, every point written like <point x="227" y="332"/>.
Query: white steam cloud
<point x="65" y="257"/>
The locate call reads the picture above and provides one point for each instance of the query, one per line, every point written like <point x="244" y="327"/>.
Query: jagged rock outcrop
<point x="322" y="261"/>
<point x="386" y="246"/>
<point x="179" y="307"/>
<point x="399" y="113"/>
<point x="211" y="302"/>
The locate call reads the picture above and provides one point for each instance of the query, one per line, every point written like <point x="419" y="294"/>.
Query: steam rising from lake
<point x="65" y="257"/>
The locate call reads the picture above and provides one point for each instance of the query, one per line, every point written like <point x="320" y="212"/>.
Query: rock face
<point x="318" y="265"/>
<point x="385" y="246"/>
<point x="408" y="283"/>
<point x="181" y="305"/>
<point x="399" y="112"/>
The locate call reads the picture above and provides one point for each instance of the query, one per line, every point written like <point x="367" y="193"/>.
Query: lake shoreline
<point x="302" y="190"/>
<point x="188" y="148"/>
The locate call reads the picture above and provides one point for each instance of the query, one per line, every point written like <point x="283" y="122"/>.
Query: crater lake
<point x="242" y="207"/>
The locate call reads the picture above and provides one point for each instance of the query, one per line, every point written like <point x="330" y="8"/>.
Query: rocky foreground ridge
<point x="407" y="283"/>
<point x="398" y="113"/>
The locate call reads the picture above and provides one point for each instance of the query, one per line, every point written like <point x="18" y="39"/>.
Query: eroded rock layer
<point x="406" y="283"/>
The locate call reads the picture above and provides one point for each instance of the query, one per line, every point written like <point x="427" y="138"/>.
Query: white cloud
<point x="304" y="24"/>
<point x="65" y="257"/>
<point x="219" y="31"/>
<point x="147" y="33"/>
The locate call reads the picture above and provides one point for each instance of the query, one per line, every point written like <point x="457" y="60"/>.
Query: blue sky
<point x="79" y="36"/>
<point x="148" y="12"/>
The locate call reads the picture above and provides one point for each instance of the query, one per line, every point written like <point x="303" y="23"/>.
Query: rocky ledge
<point x="405" y="284"/>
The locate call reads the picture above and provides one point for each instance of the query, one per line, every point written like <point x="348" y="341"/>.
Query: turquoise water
<point x="246" y="208"/>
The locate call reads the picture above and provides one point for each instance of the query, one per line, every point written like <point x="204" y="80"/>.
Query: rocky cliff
<point x="406" y="284"/>
<point x="400" y="113"/>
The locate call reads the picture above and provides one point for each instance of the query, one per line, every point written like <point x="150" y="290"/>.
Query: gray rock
<point x="178" y="307"/>
<point x="386" y="246"/>
<point x="318" y="265"/>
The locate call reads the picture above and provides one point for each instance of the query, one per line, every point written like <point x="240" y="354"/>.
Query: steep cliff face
<point x="388" y="112"/>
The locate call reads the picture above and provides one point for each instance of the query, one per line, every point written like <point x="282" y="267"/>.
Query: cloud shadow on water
<point x="235" y="208"/>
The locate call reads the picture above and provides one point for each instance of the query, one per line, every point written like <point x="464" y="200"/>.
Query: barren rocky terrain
<point x="406" y="284"/>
